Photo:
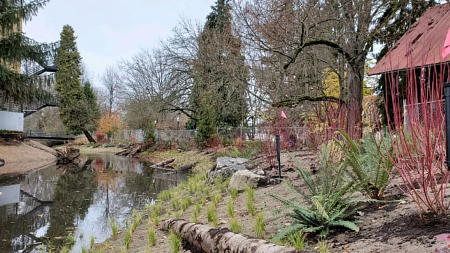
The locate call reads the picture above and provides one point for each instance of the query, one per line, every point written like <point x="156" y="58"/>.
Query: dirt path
<point x="24" y="156"/>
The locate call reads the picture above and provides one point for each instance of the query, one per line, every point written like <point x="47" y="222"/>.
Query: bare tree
<point x="112" y="83"/>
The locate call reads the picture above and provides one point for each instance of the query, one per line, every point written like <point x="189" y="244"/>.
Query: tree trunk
<point x="201" y="238"/>
<point x="89" y="137"/>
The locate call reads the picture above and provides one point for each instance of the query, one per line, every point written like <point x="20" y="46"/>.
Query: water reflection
<point x="53" y="203"/>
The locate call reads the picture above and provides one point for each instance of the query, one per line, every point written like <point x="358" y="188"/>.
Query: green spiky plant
<point x="332" y="199"/>
<point x="235" y="226"/>
<point x="366" y="165"/>
<point x="297" y="240"/>
<point x="175" y="241"/>
<point x="152" y="236"/>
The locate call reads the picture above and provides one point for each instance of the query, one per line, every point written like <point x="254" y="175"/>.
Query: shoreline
<point x="22" y="157"/>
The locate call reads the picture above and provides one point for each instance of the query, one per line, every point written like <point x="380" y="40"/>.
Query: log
<point x="67" y="155"/>
<point x="187" y="168"/>
<point x="164" y="163"/>
<point x="201" y="238"/>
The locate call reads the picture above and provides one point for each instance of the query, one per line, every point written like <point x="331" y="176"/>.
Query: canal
<point x="45" y="208"/>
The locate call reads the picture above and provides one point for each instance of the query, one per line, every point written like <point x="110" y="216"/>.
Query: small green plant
<point x="175" y="241"/>
<point x="83" y="250"/>
<point x="136" y="219"/>
<point x="65" y="249"/>
<point x="230" y="208"/>
<point x="127" y="238"/>
<point x="235" y="226"/>
<point x="323" y="246"/>
<point x="165" y="195"/>
<point x="260" y="226"/>
<point x="251" y="207"/>
<point x="156" y="220"/>
<point x="92" y="241"/>
<point x="250" y="193"/>
<point x="233" y="193"/>
<point x="194" y="216"/>
<point x="211" y="213"/>
<point x="297" y="240"/>
<point x="197" y="207"/>
<point x="114" y="227"/>
<point x="71" y="239"/>
<point x="175" y="203"/>
<point x="216" y="199"/>
<point x="152" y="236"/>
<point x="218" y="181"/>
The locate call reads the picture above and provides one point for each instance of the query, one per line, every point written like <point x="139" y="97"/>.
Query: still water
<point x="55" y="202"/>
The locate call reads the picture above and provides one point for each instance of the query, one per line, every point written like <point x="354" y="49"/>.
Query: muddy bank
<point x="24" y="156"/>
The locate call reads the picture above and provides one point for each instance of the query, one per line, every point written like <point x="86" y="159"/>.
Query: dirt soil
<point x="24" y="156"/>
<point x="384" y="227"/>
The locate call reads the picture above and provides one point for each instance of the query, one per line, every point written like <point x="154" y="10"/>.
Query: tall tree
<point x="347" y="29"/>
<point x="111" y="81"/>
<point x="93" y="107"/>
<point x="73" y="109"/>
<point x="219" y="55"/>
<point x="16" y="48"/>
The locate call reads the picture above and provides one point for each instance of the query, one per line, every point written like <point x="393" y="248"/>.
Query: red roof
<point x="425" y="40"/>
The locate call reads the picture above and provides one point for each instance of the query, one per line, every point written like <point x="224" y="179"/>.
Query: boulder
<point x="243" y="178"/>
<point x="226" y="167"/>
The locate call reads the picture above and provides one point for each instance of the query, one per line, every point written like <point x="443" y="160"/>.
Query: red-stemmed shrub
<point x="418" y="136"/>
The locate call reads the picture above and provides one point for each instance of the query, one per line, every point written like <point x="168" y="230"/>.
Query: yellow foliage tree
<point x="110" y="124"/>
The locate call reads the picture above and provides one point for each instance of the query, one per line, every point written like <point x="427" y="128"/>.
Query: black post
<point x="447" y="121"/>
<point x="277" y="139"/>
<point x="253" y="127"/>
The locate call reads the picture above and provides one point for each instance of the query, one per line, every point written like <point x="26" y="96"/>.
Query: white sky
<point x="108" y="30"/>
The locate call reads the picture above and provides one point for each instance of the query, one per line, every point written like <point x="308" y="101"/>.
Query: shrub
<point x="366" y="165"/>
<point x="99" y="136"/>
<point x="418" y="138"/>
<point x="332" y="201"/>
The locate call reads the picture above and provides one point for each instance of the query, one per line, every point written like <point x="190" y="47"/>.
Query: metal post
<point x="447" y="121"/>
<point x="277" y="139"/>
<point x="253" y="127"/>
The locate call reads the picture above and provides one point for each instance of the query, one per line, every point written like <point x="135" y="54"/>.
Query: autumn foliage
<point x="110" y="124"/>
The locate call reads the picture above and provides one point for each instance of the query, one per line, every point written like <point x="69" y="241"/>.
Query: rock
<point x="243" y="178"/>
<point x="226" y="167"/>
<point x="259" y="172"/>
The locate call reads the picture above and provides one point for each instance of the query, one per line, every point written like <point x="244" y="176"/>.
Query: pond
<point x="50" y="205"/>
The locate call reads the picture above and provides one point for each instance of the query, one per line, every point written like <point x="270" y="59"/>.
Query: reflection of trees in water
<point x="73" y="196"/>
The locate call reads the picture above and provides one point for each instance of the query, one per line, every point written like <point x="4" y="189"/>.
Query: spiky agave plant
<point x="366" y="165"/>
<point x="332" y="201"/>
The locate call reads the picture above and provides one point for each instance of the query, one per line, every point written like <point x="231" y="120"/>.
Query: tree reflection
<point x="73" y="195"/>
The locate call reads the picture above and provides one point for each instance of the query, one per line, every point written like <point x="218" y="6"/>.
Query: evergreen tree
<point x="219" y="69"/>
<point x="73" y="109"/>
<point x="207" y="121"/>
<point x="94" y="108"/>
<point x="16" y="48"/>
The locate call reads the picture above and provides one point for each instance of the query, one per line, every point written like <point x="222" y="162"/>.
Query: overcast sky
<point x="109" y="30"/>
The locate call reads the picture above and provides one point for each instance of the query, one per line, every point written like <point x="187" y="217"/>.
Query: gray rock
<point x="259" y="172"/>
<point x="226" y="167"/>
<point x="243" y="178"/>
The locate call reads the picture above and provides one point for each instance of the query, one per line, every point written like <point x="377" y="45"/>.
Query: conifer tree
<point x="94" y="109"/>
<point x="73" y="109"/>
<point x="17" y="48"/>
<point x="219" y="69"/>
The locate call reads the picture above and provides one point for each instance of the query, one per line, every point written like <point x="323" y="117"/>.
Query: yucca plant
<point x="331" y="197"/>
<point x="366" y="165"/>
